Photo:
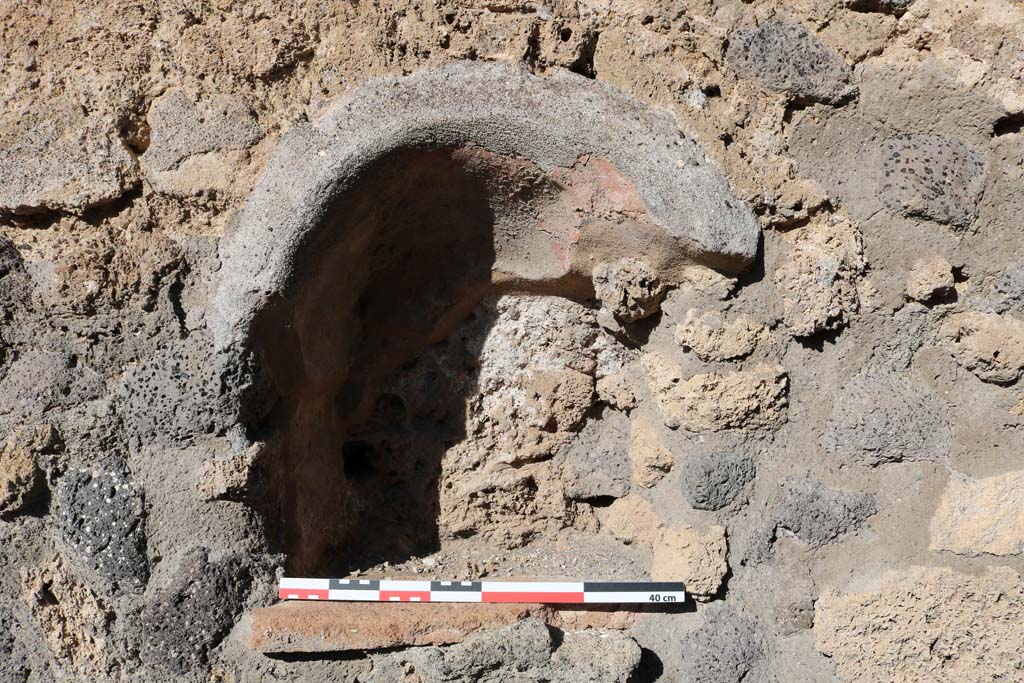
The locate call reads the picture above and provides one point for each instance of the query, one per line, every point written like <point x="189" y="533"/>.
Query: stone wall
<point x="736" y="298"/>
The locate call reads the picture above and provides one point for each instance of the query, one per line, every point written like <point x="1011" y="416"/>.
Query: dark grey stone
<point x="932" y="177"/>
<point x="884" y="415"/>
<point x="102" y="518"/>
<point x="895" y="7"/>
<point x="596" y="464"/>
<point x="179" y="393"/>
<point x="710" y="481"/>
<point x="785" y="57"/>
<point x="724" y="649"/>
<point x="816" y="514"/>
<point x="182" y="623"/>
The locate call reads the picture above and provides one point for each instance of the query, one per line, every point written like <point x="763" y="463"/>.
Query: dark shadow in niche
<point x="356" y="408"/>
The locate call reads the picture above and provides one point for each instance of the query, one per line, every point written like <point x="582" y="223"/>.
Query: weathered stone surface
<point x="297" y="626"/>
<point x="649" y="457"/>
<point x="75" y="622"/>
<point x="65" y="162"/>
<point x="13" y="663"/>
<point x="724" y="649"/>
<point x="710" y="481"/>
<point x="785" y="57"/>
<point x="932" y="177"/>
<point x="989" y="345"/>
<point x="182" y="128"/>
<point x="980" y="516"/>
<point x="184" y="621"/>
<point x="751" y="399"/>
<point x="926" y="624"/>
<point x="883" y="415"/>
<point x="597" y="463"/>
<point x="629" y="288"/>
<point x="593" y="655"/>
<point x="102" y="518"/>
<point x="173" y="396"/>
<point x="20" y="475"/>
<point x="715" y="338"/>
<point x="519" y="653"/>
<point x="1007" y="290"/>
<point x="228" y="478"/>
<point x="693" y="556"/>
<point x="816" y="514"/>
<point x="632" y="520"/>
<point x="930" y="277"/>
<point x="819" y="277"/>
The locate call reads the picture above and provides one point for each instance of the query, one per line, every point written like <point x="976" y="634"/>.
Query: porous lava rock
<point x="922" y="623"/>
<point x="181" y="622"/>
<point x="932" y="177"/>
<point x="885" y="415"/>
<point x="728" y="646"/>
<point x="102" y="519"/>
<point x="710" y="481"/>
<point x="783" y="56"/>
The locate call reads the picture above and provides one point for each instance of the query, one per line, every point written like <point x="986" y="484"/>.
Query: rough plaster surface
<point x="725" y="291"/>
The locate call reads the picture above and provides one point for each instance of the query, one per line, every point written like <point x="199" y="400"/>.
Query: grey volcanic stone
<point x="182" y="128"/>
<point x="710" y="481"/>
<point x="725" y="649"/>
<point x="552" y="121"/>
<point x="785" y="57"/>
<point x="519" y="653"/>
<point x="597" y="462"/>
<point x="102" y="517"/>
<point x="1007" y="291"/>
<point x="519" y="647"/>
<point x="67" y="162"/>
<point x="591" y="655"/>
<point x="883" y="415"/>
<point x="183" y="622"/>
<point x="13" y="664"/>
<point x="175" y="395"/>
<point x="932" y="177"/>
<point x="817" y="514"/>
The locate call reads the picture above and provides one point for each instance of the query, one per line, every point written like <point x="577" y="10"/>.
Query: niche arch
<point x="381" y="226"/>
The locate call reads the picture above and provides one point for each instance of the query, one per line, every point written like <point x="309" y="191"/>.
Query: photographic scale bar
<point x="564" y="592"/>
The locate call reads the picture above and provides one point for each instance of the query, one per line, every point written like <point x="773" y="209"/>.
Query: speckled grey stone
<point x="785" y="57"/>
<point x="884" y="415"/>
<point x="183" y="622"/>
<point x="727" y="647"/>
<point x="596" y="464"/>
<point x="182" y="128"/>
<point x="1006" y="292"/>
<point x="68" y="162"/>
<point x="932" y="177"/>
<point x="710" y="481"/>
<point x="817" y="514"/>
<point x="102" y="519"/>
<point x="175" y="395"/>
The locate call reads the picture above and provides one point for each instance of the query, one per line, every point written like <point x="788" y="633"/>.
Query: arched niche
<point x="378" y="228"/>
